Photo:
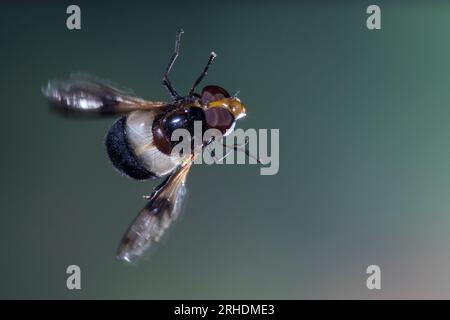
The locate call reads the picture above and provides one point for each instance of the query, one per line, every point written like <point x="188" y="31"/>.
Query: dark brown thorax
<point x="211" y="109"/>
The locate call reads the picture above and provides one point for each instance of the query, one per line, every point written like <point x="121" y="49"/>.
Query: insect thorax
<point x="182" y="118"/>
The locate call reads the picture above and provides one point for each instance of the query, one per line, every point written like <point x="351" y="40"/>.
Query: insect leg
<point x="212" y="56"/>
<point x="166" y="82"/>
<point x="241" y="147"/>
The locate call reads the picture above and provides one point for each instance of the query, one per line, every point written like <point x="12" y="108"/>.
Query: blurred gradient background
<point x="364" y="153"/>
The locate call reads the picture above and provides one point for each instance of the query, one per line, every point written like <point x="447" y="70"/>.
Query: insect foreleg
<point x="166" y="82"/>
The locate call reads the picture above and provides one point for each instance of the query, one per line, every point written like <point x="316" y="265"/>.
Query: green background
<point x="364" y="151"/>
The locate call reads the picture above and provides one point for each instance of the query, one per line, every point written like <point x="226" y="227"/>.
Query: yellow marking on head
<point x="234" y="105"/>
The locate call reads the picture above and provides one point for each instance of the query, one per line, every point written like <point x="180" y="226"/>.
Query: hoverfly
<point x="139" y="143"/>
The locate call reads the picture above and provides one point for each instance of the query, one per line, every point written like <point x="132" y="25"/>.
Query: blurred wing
<point x="88" y="94"/>
<point x="163" y="208"/>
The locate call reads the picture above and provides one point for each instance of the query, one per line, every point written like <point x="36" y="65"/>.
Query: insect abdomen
<point x="132" y="150"/>
<point x="121" y="155"/>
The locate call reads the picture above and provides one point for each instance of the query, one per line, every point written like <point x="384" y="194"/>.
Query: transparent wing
<point x="152" y="221"/>
<point x="86" y="93"/>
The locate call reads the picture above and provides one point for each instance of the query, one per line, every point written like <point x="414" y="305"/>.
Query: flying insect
<point x="139" y="143"/>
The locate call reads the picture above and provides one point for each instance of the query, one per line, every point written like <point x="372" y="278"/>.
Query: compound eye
<point x="213" y="93"/>
<point x="219" y="118"/>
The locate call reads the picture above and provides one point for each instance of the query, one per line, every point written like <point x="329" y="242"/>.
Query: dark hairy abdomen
<point x="121" y="155"/>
